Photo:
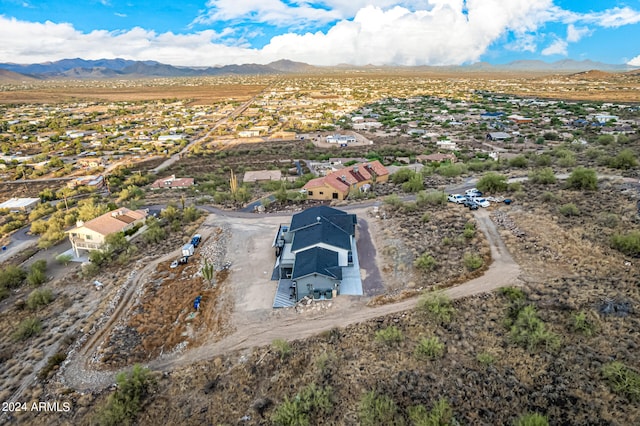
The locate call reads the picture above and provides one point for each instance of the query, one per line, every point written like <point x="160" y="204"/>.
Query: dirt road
<point x="261" y="330"/>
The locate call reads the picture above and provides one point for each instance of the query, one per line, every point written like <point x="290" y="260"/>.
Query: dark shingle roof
<point x="346" y="222"/>
<point x="321" y="232"/>
<point x="317" y="260"/>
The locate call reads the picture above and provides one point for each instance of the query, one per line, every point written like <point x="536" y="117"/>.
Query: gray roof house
<point x="316" y="256"/>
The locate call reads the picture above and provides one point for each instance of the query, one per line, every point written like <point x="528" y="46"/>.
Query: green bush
<point x="520" y="162"/>
<point x="549" y="197"/>
<point x="472" y="261"/>
<point x="438" y="306"/>
<point x="530" y="331"/>
<point x="622" y="380"/>
<point x="492" y="182"/>
<point x="569" y="209"/>
<point x="429" y="348"/>
<point x="414" y="184"/>
<point x="27" y="328"/>
<point x="425" y="262"/>
<point x="452" y="170"/>
<point x="312" y="403"/>
<point x="469" y="230"/>
<point x="11" y="276"/>
<point x="425" y="217"/>
<point x="485" y="358"/>
<point x="531" y="419"/>
<point x="431" y="198"/>
<point x="514" y="294"/>
<point x="64" y="259"/>
<point x="376" y="410"/>
<point x="581" y="324"/>
<point x="583" y="179"/>
<point x="440" y="415"/>
<point x="389" y="336"/>
<point x="36" y="278"/>
<point x="628" y="243"/>
<point x="39" y="297"/>
<point x="402" y="175"/>
<point x="282" y="347"/>
<point x="544" y="176"/>
<point x="123" y="405"/>
<point x="625" y="159"/>
<point x="610" y="220"/>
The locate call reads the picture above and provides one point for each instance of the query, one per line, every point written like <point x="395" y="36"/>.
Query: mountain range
<point x="123" y="68"/>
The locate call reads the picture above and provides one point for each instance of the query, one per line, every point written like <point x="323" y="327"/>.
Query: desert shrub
<point x="514" y="187"/>
<point x="438" y="306"/>
<point x="27" y="328"/>
<point x="606" y="139"/>
<point x="389" y="336"/>
<point x="622" y="380"/>
<point x="36" y="278"/>
<point x="549" y="197"/>
<point x="569" y="209"/>
<point x="485" y="358"/>
<point x="469" y="230"/>
<point x="409" y="206"/>
<point x="190" y="214"/>
<point x="628" y="243"/>
<point x="425" y="262"/>
<point x="440" y="415"/>
<point x="39" y="297"/>
<point x="452" y="170"/>
<point x="492" y="182"/>
<point x="531" y="332"/>
<point x="514" y="294"/>
<point x="402" y="175"/>
<point x="431" y="198"/>
<point x="425" y="217"/>
<point x="531" y="419"/>
<point x="581" y="324"/>
<point x="64" y="259"/>
<point x="472" y="261"/>
<point x="543" y="160"/>
<point x="53" y="361"/>
<point x="123" y="405"/>
<point x="309" y="404"/>
<point x="39" y="265"/>
<point x="90" y="270"/>
<point x="610" y="220"/>
<point x="414" y="184"/>
<point x="544" y="176"/>
<point x="583" y="179"/>
<point x="11" y="276"/>
<point x="519" y="162"/>
<point x="393" y="200"/>
<point x="375" y="410"/>
<point x="567" y="159"/>
<point x="625" y="159"/>
<point x="429" y="348"/>
<point x="282" y="347"/>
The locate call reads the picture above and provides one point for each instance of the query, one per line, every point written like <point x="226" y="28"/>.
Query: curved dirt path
<point x="346" y="310"/>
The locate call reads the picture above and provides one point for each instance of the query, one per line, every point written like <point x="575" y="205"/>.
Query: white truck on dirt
<point x="187" y="250"/>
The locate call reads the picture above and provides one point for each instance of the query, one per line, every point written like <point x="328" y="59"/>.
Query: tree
<point x="492" y="182"/>
<point x="64" y="259"/>
<point x="116" y="242"/>
<point x="583" y="179"/>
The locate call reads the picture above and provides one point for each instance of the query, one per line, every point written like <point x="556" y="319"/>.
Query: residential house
<point x="498" y="136"/>
<point x="340" y="139"/>
<point x="315" y="254"/>
<point x="261" y="176"/>
<point x="96" y="182"/>
<point x="17" y="205"/>
<point x="336" y="185"/>
<point x="90" y="162"/>
<point x="173" y="183"/>
<point x="437" y="158"/>
<point x="91" y="235"/>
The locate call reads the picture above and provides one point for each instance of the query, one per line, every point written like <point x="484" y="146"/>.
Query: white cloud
<point x="433" y="32"/>
<point x="575" y="34"/>
<point x="558" y="47"/>
<point x="635" y="62"/>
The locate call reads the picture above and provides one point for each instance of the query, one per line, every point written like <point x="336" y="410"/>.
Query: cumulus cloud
<point x="432" y="32"/>
<point x="635" y="62"/>
<point x="558" y="47"/>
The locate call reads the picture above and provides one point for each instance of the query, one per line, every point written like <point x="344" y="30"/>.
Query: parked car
<point x="196" y="240"/>
<point x="471" y="204"/>
<point x="456" y="198"/>
<point x="474" y="192"/>
<point x="482" y="202"/>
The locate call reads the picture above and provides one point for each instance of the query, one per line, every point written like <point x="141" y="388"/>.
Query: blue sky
<point x="322" y="32"/>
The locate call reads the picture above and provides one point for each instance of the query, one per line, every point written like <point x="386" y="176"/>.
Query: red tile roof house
<point x="91" y="235"/>
<point x="172" y="182"/>
<point x="336" y="185"/>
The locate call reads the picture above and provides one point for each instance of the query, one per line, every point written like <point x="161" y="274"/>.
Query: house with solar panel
<point x="316" y="256"/>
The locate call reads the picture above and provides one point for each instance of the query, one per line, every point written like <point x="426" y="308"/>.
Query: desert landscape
<point x="526" y="306"/>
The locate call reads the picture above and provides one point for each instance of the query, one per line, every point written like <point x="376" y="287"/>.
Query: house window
<point x="88" y="237"/>
<point x="310" y="192"/>
<point x="335" y="195"/>
<point x="350" y="258"/>
<point x="321" y="193"/>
